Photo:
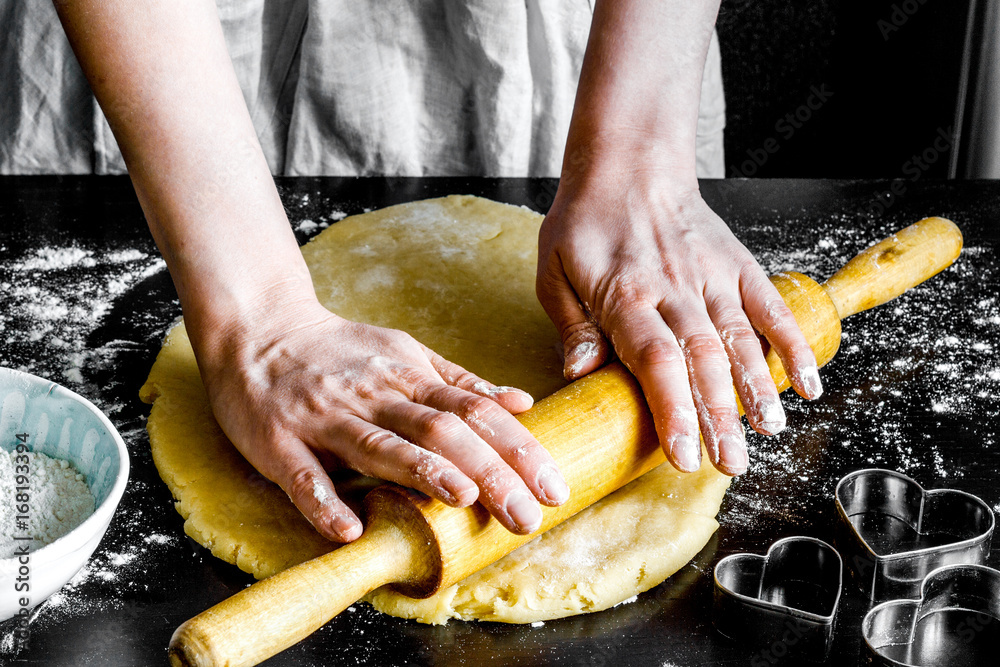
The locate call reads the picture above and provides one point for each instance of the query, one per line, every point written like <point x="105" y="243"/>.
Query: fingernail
<point x="733" y="453"/>
<point x="552" y="485"/>
<point x="772" y="416"/>
<point x="524" y="511"/>
<point x="578" y="357"/>
<point x="485" y="389"/>
<point x="345" y="527"/>
<point x="686" y="452"/>
<point x="456" y="487"/>
<point x="809" y="376"/>
<point x="512" y="390"/>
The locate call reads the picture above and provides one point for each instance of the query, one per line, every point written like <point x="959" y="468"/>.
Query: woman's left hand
<point x="651" y="268"/>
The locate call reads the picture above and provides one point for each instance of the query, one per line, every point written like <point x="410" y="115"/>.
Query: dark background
<point x="893" y="89"/>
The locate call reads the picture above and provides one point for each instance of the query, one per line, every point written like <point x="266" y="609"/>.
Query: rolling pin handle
<point x="282" y="610"/>
<point x="887" y="269"/>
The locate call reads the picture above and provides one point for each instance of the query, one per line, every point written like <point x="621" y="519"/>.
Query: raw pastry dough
<point x="458" y="274"/>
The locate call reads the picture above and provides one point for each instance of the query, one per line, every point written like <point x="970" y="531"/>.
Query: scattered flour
<point x="54" y="297"/>
<point x="309" y="215"/>
<point x="58" y="501"/>
<point x="306" y="226"/>
<point x="920" y="367"/>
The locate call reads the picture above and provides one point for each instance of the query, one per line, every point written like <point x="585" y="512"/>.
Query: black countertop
<point x="85" y="301"/>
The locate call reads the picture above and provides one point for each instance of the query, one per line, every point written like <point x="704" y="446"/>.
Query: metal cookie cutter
<point x="782" y="603"/>
<point x="955" y="621"/>
<point x="893" y="533"/>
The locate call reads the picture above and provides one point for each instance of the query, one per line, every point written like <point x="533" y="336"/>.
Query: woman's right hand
<point x="295" y="387"/>
<point x="308" y="391"/>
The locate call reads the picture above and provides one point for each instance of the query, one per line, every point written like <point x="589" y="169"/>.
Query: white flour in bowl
<point x="58" y="500"/>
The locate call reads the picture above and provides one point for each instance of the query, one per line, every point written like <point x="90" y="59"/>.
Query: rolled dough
<point x="458" y="274"/>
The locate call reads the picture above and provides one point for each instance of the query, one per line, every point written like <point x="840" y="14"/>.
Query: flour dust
<point x="908" y="376"/>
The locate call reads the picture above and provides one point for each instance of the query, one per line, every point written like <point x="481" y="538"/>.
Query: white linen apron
<point x="348" y="88"/>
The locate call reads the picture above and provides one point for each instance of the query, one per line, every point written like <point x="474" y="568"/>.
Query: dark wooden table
<point x="85" y="300"/>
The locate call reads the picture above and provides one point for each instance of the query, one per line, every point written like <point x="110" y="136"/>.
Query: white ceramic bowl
<point x="63" y="425"/>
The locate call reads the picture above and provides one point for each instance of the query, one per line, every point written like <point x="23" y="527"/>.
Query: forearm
<point x="630" y="254"/>
<point x="640" y="88"/>
<point x="163" y="77"/>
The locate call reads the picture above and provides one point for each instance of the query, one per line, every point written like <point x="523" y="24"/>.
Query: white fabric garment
<point x="348" y="88"/>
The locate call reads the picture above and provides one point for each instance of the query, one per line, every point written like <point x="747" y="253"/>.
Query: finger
<point x="302" y="477"/>
<point x="711" y="381"/>
<point x="584" y="347"/>
<point x="754" y="385"/>
<point x="508" y="437"/>
<point x="650" y="351"/>
<point x="512" y="399"/>
<point x="501" y="491"/>
<point x="769" y="315"/>
<point x="375" y="452"/>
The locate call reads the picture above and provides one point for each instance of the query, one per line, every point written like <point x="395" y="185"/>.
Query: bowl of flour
<point x="63" y="470"/>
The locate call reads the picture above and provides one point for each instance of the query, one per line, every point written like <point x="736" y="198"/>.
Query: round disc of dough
<point x="458" y="274"/>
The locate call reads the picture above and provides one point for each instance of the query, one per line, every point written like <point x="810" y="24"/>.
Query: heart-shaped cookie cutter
<point x="783" y="602"/>
<point x="893" y="533"/>
<point x="954" y="621"/>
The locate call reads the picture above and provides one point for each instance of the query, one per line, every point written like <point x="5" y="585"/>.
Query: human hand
<point x="309" y="391"/>
<point x="653" y="269"/>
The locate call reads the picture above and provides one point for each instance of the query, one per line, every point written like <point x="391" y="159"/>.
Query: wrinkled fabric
<point x="341" y="88"/>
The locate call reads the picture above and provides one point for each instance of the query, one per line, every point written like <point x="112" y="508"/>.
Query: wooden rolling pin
<point x="597" y="429"/>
